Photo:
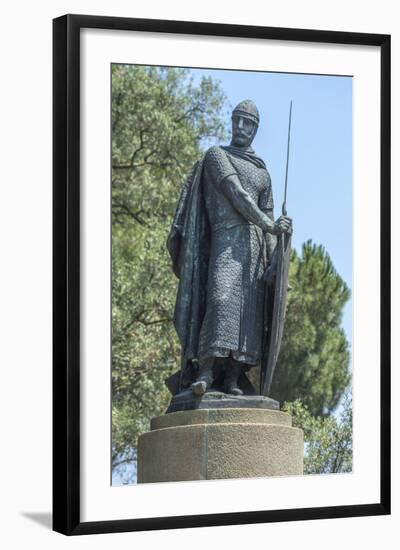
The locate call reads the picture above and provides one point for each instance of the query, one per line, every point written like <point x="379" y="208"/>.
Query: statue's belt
<point x="230" y="225"/>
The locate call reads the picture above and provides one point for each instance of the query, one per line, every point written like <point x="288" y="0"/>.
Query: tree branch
<point x="155" y="321"/>
<point x="190" y="112"/>
<point x="128" y="212"/>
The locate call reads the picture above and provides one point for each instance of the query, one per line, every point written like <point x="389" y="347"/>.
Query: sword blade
<point x="284" y="212"/>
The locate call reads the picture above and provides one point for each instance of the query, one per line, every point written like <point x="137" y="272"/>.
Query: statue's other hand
<point x="283" y="225"/>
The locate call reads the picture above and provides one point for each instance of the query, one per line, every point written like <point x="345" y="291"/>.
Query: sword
<point x="284" y="212"/>
<point x="270" y="269"/>
<point x="276" y="317"/>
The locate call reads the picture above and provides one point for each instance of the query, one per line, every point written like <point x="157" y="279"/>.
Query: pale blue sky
<point x="320" y="170"/>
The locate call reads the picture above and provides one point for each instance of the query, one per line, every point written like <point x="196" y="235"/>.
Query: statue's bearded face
<point x="243" y="131"/>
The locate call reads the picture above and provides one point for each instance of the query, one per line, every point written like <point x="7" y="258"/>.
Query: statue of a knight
<point x="222" y="243"/>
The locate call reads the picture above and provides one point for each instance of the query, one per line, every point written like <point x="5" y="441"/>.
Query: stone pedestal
<point x="220" y="444"/>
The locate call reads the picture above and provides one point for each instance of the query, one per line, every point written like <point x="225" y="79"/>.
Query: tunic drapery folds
<point x="220" y="256"/>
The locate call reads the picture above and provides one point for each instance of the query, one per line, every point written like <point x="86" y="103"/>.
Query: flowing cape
<point x="188" y="244"/>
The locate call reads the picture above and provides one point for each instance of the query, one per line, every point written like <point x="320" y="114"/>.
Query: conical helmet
<point x="247" y="109"/>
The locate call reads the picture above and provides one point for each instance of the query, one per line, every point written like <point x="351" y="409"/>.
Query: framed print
<point x="221" y="345"/>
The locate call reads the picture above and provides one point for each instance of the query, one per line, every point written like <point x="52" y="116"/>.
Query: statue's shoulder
<point x="216" y="151"/>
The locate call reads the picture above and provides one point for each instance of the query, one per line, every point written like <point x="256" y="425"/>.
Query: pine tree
<point x="313" y="364"/>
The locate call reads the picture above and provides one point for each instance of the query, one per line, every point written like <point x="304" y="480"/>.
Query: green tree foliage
<point x="313" y="364"/>
<point x="160" y="119"/>
<point x="328" y="440"/>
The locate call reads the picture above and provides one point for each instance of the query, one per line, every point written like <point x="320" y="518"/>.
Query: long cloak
<point x="188" y="244"/>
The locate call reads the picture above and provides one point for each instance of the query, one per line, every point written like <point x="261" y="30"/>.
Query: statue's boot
<point x="204" y="379"/>
<point x="232" y="374"/>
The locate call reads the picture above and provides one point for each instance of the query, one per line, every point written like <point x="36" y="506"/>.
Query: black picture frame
<point x="66" y="273"/>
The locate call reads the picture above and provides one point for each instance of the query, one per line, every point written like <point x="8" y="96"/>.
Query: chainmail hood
<point x="247" y="109"/>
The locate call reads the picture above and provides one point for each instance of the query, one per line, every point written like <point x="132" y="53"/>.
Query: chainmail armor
<point x="233" y="321"/>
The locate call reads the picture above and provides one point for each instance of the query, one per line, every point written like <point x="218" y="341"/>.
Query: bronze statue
<point x="223" y="245"/>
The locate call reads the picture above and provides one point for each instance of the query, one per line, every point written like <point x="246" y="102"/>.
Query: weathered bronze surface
<point x="223" y="243"/>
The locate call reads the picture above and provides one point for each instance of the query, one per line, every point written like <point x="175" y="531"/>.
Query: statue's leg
<point x="205" y="377"/>
<point x="232" y="373"/>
